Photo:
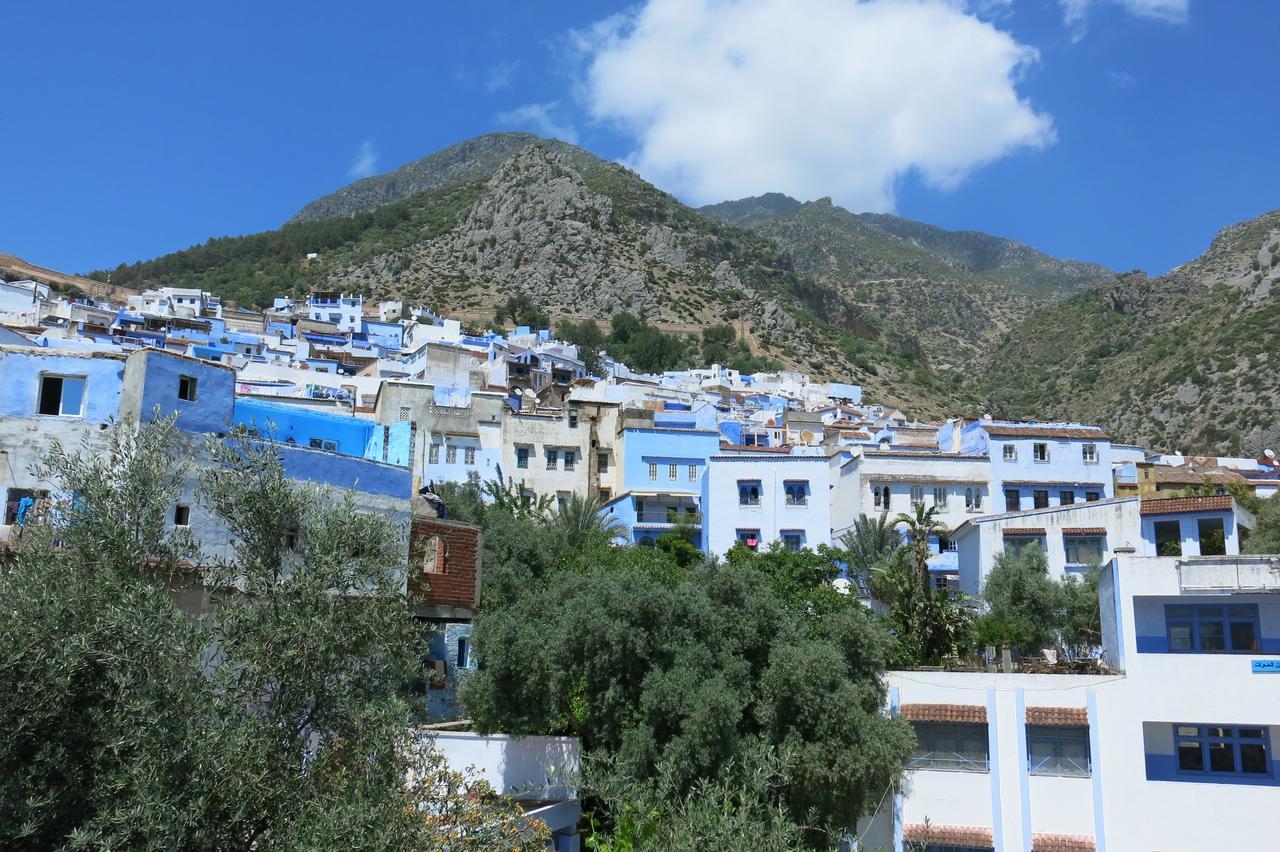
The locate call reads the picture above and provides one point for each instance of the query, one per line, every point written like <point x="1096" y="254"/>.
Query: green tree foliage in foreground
<point x="1029" y="611"/>
<point x="720" y="705"/>
<point x="276" y="719"/>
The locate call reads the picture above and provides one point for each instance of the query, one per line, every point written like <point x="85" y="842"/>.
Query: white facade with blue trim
<point x="1174" y="749"/>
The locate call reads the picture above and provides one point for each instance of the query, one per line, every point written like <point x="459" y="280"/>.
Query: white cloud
<point x="539" y="119"/>
<point x="1076" y="12"/>
<point x="500" y="76"/>
<point x="366" y="161"/>
<point x="728" y="98"/>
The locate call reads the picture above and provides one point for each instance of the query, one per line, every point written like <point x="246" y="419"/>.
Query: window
<point x="946" y="543"/>
<point x="940" y="498"/>
<point x="1016" y="544"/>
<point x="602" y="462"/>
<point x="553" y="458"/>
<point x="451" y="454"/>
<point x="469" y="455"/>
<point x="1083" y="549"/>
<point x="881" y="495"/>
<point x="570" y="459"/>
<point x="1168" y="538"/>
<point x="522" y="457"/>
<point x="1012" y="500"/>
<point x="950" y="745"/>
<point x="433" y="455"/>
<point x="793" y="540"/>
<point x="573" y="418"/>
<point x="405" y="413"/>
<point x="973" y="499"/>
<point x="1009" y="452"/>
<point x="1092" y="496"/>
<point x="797" y="493"/>
<point x="187" y="388"/>
<point x="62" y="395"/>
<point x="673" y="471"/>
<point x="1212" y="629"/>
<point x="917" y="495"/>
<point x="464" y="652"/>
<point x="1066" y="498"/>
<point x="1209" y="750"/>
<point x="1089" y="452"/>
<point x="693" y="473"/>
<point x="1058" y="750"/>
<point x="1040" y="499"/>
<point x="1213" y="537"/>
<point x="606" y="494"/>
<point x="1040" y="452"/>
<point x="19" y="503"/>
<point x="653" y="471"/>
<point x="748" y="492"/>
<point x="750" y="539"/>
<point x="323" y="444"/>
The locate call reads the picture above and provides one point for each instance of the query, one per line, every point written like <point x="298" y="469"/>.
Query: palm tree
<point x="922" y="525"/>
<point x="869" y="542"/>
<point x="580" y="520"/>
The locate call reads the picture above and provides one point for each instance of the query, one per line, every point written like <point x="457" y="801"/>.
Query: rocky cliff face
<point x="1185" y="361"/>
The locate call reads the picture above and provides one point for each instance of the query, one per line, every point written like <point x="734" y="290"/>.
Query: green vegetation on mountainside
<point x="1188" y="361"/>
<point x="251" y="270"/>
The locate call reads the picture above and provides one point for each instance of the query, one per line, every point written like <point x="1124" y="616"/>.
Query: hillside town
<point x="393" y="402"/>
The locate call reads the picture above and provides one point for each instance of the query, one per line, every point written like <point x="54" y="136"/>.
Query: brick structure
<point x="444" y="564"/>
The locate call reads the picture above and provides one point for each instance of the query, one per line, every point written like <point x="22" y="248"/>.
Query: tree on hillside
<point x="1025" y="606"/>
<point x="683" y="681"/>
<point x="1265" y="537"/>
<point x="275" y="717"/>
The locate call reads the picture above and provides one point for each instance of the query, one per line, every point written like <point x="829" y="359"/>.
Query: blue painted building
<point x="662" y="480"/>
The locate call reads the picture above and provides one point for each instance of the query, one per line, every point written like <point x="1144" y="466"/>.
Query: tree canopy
<point x="273" y="711"/>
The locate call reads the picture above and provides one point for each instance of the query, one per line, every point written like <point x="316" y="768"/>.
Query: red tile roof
<point x="1062" y="843"/>
<point x="1084" y="530"/>
<point x="967" y="713"/>
<point x="1178" y="505"/>
<point x="1035" y="531"/>
<point x="1074" y="716"/>
<point x="947" y="835"/>
<point x="1006" y="430"/>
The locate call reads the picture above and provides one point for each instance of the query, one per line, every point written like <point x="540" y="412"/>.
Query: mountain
<point x="469" y="160"/>
<point x="953" y="293"/>
<point x="1185" y="361"/>
<point x="937" y="322"/>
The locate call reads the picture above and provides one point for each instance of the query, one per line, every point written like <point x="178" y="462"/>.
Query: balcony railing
<point x="659" y="516"/>
<point x="1229" y="574"/>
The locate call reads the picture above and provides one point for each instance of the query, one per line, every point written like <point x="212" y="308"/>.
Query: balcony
<point x="669" y="517"/>
<point x="1226" y="574"/>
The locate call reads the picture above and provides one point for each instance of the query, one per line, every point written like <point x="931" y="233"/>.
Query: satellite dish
<point x="806" y="436"/>
<point x="1269" y="453"/>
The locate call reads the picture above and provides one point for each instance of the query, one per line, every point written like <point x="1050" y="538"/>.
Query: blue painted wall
<point x="682" y="447"/>
<point x="370" y="477"/>
<point x="20" y="388"/>
<point x="210" y="411"/>
<point x="284" y="422"/>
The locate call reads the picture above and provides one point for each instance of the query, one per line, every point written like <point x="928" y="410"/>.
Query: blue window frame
<point x="749" y="492"/>
<point x="1238" y="751"/>
<point x="1058" y="750"/>
<point x="1218" y="629"/>
<point x="792" y="539"/>
<point x="796" y="492"/>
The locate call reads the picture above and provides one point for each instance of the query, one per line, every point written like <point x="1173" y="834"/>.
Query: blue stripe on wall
<point x="993" y="746"/>
<point x="894" y="704"/>
<point x="1024" y="782"/>
<point x="1095" y="760"/>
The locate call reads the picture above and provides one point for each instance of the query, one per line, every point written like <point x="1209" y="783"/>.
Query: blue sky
<point x="1125" y="132"/>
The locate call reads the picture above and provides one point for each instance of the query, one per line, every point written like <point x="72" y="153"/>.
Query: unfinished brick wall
<point x="444" y="562"/>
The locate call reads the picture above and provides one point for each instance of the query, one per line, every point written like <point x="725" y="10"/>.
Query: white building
<point x="761" y="496"/>
<point x="1172" y="750"/>
<point x="1076" y="536"/>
